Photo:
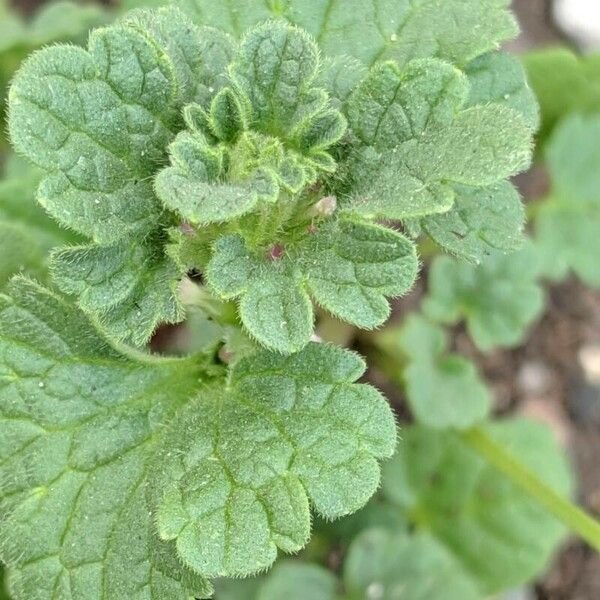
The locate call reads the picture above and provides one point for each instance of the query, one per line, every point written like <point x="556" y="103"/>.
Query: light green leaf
<point x="482" y="221"/>
<point x="499" y="299"/>
<point x="26" y="233"/>
<point x="348" y="267"/>
<point x="274" y="307"/>
<point x="238" y="467"/>
<point x="69" y="112"/>
<point x="192" y="188"/>
<point x="454" y="30"/>
<point x="564" y="83"/>
<point x="500" y="78"/>
<point x="99" y="124"/>
<point x="102" y="131"/>
<point x="353" y="267"/>
<point x="128" y="288"/>
<point x="78" y="419"/>
<point x="392" y="105"/>
<point x="387" y="566"/>
<point x="499" y="535"/>
<point x="567" y="224"/>
<point x="295" y="580"/>
<point x="339" y="76"/>
<point x="444" y="390"/>
<point x="419" y="139"/>
<point x="276" y="70"/>
<point x="290" y="579"/>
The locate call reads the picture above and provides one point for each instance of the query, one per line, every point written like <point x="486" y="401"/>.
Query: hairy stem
<point x="575" y="518"/>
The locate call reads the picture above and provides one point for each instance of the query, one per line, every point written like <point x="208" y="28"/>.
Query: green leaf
<point x="419" y="139"/>
<point x="291" y="579"/>
<point x="444" y="390"/>
<point x="192" y="187"/>
<point x="99" y="124"/>
<point x="564" y="83"/>
<point x="392" y="105"/>
<point x="498" y="534"/>
<point x="237" y="468"/>
<point x="26" y="233"/>
<point x="500" y="78"/>
<point x="482" y="220"/>
<point x="274" y="307"/>
<point x="78" y="420"/>
<point x="454" y="30"/>
<point x="353" y="267"/>
<point x="275" y="71"/>
<point x="295" y="580"/>
<point x="567" y="223"/>
<point x="389" y="565"/>
<point x="348" y="267"/>
<point x="128" y="288"/>
<point x="499" y="299"/>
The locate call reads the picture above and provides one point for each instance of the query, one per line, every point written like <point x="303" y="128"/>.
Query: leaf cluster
<point x="292" y="168"/>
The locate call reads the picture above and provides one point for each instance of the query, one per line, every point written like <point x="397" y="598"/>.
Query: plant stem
<point x="575" y="518"/>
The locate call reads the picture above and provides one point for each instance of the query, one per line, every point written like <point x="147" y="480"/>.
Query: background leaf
<point x="498" y="534"/>
<point x="498" y="299"/>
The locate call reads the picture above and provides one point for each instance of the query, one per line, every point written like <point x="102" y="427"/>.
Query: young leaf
<point x="444" y="390"/>
<point x="349" y="268"/>
<point x="455" y="30"/>
<point x="352" y="267"/>
<point x="497" y="533"/>
<point x="567" y="225"/>
<point x="236" y="471"/>
<point x="192" y="188"/>
<point x="380" y="564"/>
<point x="274" y="307"/>
<point x="499" y="299"/>
<point x="77" y="421"/>
<point x="482" y="220"/>
<point x="99" y="123"/>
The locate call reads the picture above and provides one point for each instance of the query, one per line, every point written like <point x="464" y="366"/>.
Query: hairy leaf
<point x="498" y="534"/>
<point x="455" y="30"/>
<point x="274" y="307"/>
<point x="500" y="78"/>
<point x="348" y="267"/>
<point x="384" y="564"/>
<point x="499" y="299"/>
<point x="77" y="421"/>
<point x="444" y="390"/>
<point x="418" y="138"/>
<point x="238" y="468"/>
<point x="99" y="124"/>
<point x="352" y="267"/>
<point x="130" y="288"/>
<point x="567" y="224"/>
<point x="482" y="220"/>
